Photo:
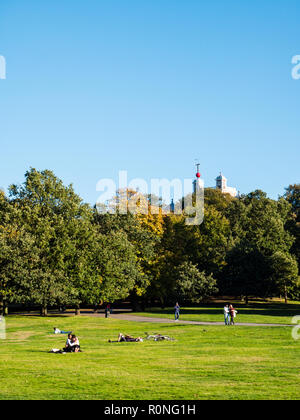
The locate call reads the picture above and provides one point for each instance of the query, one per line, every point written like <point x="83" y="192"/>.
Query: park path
<point x="135" y="318"/>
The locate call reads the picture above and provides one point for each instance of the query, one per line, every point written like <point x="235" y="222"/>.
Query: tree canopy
<point x="56" y="250"/>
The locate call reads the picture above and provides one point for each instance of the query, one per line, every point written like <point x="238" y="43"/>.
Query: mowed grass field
<point x="213" y="362"/>
<point x="260" y="313"/>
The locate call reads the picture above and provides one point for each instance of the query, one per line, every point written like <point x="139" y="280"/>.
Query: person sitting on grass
<point x="68" y="346"/>
<point x="75" y="345"/>
<point x="126" y="339"/>
<point x="72" y="346"/>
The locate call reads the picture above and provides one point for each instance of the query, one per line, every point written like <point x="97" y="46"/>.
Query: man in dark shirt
<point x="177" y="311"/>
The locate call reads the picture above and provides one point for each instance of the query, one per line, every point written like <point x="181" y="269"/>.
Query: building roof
<point x="220" y="177"/>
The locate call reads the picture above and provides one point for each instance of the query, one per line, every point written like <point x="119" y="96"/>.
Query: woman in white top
<point x="75" y="345"/>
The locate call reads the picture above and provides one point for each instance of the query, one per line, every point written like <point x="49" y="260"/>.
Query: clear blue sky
<point x="98" y="86"/>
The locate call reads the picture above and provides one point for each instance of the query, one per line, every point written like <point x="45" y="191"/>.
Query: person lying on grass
<point x="58" y="331"/>
<point x="127" y="339"/>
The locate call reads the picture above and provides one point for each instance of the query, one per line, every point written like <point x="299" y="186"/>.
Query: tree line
<point x="56" y="250"/>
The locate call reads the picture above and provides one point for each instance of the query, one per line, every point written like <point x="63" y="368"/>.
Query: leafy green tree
<point x="116" y="264"/>
<point x="211" y="242"/>
<point x="215" y="198"/>
<point x="142" y="237"/>
<point x="284" y="273"/>
<point x="205" y="246"/>
<point x="56" y="250"/>
<point x="169" y="254"/>
<point x="16" y="247"/>
<point x="261" y="222"/>
<point x="258" y="232"/>
<point x="247" y="272"/>
<point x="193" y="285"/>
<point x="292" y="195"/>
<point x="56" y="217"/>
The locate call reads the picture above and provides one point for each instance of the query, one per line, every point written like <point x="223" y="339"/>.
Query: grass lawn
<point x="203" y="363"/>
<point x="261" y="313"/>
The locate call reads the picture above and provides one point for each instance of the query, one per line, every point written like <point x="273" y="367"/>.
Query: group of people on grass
<point x="73" y="346"/>
<point x="229" y="314"/>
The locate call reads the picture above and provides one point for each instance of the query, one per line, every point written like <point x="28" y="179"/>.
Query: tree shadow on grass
<point x="35" y="315"/>
<point x="175" y="326"/>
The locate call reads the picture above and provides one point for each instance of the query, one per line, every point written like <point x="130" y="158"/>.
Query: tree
<point x="284" y="273"/>
<point x="247" y="272"/>
<point x="142" y="231"/>
<point x="211" y="242"/>
<point x="292" y="195"/>
<point x="205" y="246"/>
<point x="193" y="285"/>
<point x="57" y="220"/>
<point x="261" y="222"/>
<point x="116" y="266"/>
<point x="258" y="232"/>
<point x="215" y="198"/>
<point x="16" y="249"/>
<point x="169" y="254"/>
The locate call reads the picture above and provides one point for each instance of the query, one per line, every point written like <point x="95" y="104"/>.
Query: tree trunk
<point x="44" y="311"/>
<point x="247" y="299"/>
<point x="136" y="306"/>
<point x="285" y="295"/>
<point x="1" y="306"/>
<point x="77" y="310"/>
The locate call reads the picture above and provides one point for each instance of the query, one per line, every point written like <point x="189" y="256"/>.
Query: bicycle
<point x="158" y="337"/>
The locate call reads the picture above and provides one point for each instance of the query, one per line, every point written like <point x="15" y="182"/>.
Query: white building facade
<point x="221" y="184"/>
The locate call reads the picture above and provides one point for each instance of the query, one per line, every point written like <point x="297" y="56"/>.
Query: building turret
<point x="221" y="184"/>
<point x="198" y="184"/>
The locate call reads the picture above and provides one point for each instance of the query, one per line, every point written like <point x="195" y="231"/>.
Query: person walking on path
<point x="226" y="315"/>
<point x="233" y="313"/>
<point x="177" y="311"/>
<point x="107" y="310"/>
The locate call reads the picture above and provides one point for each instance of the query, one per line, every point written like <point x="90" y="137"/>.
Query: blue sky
<point x="95" y="86"/>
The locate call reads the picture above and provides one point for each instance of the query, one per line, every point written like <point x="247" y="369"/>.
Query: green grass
<point x="203" y="363"/>
<point x="260" y="313"/>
